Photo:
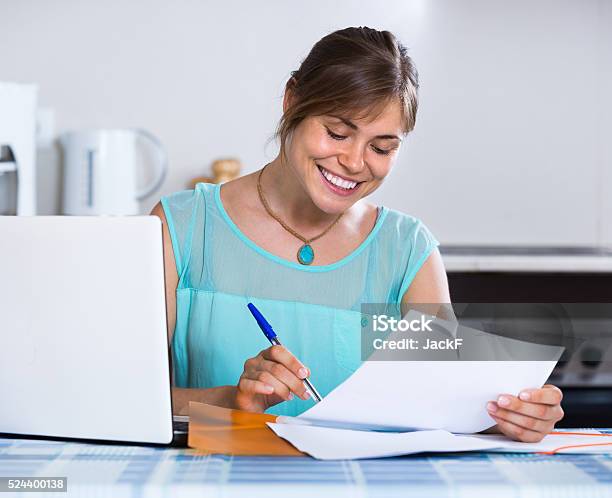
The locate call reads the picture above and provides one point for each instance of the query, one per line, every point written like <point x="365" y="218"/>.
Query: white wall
<point x="512" y="143"/>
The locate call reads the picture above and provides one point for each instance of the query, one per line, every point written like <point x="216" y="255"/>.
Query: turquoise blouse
<point x="315" y="310"/>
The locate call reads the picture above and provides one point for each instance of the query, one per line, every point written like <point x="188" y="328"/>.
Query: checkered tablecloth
<point x="116" y="471"/>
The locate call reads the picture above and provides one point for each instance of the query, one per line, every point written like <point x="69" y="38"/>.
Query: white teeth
<point x="338" y="181"/>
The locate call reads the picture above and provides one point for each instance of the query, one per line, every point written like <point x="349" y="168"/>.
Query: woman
<point x="299" y="240"/>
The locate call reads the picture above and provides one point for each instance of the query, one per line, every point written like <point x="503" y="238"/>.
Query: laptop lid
<point x="83" y="335"/>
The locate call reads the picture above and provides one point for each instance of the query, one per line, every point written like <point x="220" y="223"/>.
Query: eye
<point x="334" y="136"/>
<point x="381" y="151"/>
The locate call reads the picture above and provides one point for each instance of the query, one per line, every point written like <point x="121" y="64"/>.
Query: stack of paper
<point x="334" y="444"/>
<point x="398" y="407"/>
<point x="391" y="408"/>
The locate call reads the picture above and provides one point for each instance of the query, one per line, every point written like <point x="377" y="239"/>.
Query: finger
<point x="286" y="376"/>
<point x="253" y="386"/>
<point x="548" y="395"/>
<point x="280" y="389"/>
<point x="251" y="367"/>
<point x="517" y="432"/>
<point x="536" y="410"/>
<point x="531" y="423"/>
<point x="281" y="354"/>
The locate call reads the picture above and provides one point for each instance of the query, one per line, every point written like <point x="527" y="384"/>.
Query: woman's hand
<point x="274" y="375"/>
<point x="530" y="416"/>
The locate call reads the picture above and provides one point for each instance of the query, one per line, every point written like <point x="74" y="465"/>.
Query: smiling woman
<point x="298" y="239"/>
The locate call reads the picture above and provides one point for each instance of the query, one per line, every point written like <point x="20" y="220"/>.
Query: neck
<point x="289" y="200"/>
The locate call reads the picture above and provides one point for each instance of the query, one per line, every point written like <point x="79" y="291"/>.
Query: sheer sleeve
<point x="421" y="242"/>
<point x="183" y="214"/>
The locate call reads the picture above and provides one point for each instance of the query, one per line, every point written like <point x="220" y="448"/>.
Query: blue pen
<point x="268" y="331"/>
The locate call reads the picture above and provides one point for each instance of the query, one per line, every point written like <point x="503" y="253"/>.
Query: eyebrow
<point x="353" y="126"/>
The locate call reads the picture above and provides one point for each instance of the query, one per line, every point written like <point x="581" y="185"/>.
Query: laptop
<point x="84" y="348"/>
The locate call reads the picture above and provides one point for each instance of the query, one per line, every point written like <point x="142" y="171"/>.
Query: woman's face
<point x="339" y="161"/>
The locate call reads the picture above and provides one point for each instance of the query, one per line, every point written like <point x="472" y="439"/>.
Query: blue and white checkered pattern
<point x="105" y="470"/>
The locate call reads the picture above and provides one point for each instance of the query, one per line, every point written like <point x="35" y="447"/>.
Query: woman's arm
<point x="429" y="286"/>
<point x="170" y="273"/>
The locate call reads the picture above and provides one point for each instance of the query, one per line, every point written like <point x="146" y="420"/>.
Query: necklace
<point x="305" y="254"/>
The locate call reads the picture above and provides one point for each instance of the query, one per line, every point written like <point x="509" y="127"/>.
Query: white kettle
<point x="100" y="170"/>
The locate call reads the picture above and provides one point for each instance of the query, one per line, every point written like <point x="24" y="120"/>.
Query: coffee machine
<point x="18" y="148"/>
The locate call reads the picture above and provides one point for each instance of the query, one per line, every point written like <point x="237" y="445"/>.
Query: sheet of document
<point x="326" y="443"/>
<point x="330" y="444"/>
<point x="403" y="394"/>
<point x="407" y="405"/>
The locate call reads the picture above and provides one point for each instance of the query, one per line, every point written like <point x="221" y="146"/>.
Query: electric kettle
<point x="101" y="169"/>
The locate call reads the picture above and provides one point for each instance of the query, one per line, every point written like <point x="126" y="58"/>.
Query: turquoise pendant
<point x="305" y="255"/>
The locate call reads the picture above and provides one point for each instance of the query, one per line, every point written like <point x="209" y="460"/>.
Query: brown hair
<point x="352" y="72"/>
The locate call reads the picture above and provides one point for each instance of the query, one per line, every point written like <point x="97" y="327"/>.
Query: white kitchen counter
<point x="525" y="259"/>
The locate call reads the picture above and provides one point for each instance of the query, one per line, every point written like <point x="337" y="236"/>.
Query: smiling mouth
<point x="337" y="182"/>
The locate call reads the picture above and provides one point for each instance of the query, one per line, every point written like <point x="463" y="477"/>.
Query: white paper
<point x="403" y="396"/>
<point x="411" y="395"/>
<point x="402" y="407"/>
<point x="326" y="443"/>
<point x="331" y="444"/>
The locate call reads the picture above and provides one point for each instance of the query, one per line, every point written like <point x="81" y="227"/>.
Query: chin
<point x="330" y="205"/>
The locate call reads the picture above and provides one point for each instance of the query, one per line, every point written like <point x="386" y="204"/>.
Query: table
<point x="132" y="471"/>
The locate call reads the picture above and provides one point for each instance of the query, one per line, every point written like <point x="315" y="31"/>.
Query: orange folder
<point x="213" y="429"/>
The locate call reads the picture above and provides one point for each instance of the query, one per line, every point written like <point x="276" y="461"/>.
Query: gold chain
<point x="288" y="228"/>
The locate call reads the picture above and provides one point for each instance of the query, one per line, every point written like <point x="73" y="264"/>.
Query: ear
<point x="288" y="98"/>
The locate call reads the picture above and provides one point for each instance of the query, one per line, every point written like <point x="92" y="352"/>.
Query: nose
<point x="352" y="159"/>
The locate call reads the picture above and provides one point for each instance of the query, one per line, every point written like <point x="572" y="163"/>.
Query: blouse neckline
<point x="381" y="215"/>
